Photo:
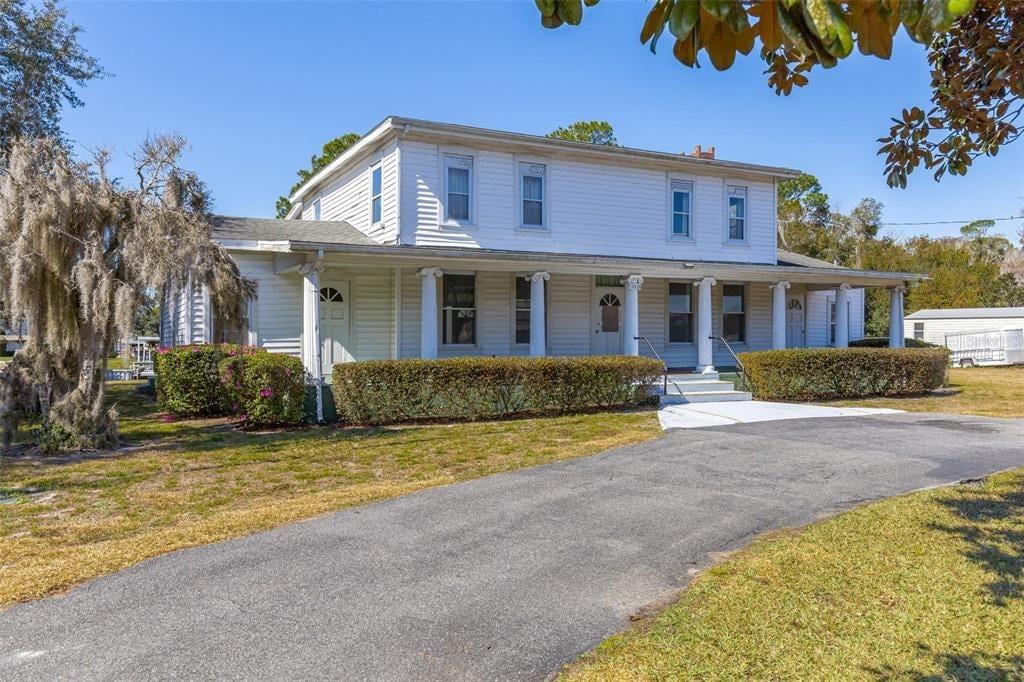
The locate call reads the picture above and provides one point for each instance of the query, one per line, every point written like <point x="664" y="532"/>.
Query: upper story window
<point x="316" y="210"/>
<point x="734" y="313"/>
<point x="458" y="300"/>
<point x="532" y="178"/>
<point x="680" y="312"/>
<point x="682" y="201"/>
<point x="376" y="185"/>
<point x="458" y="188"/>
<point x="737" y="213"/>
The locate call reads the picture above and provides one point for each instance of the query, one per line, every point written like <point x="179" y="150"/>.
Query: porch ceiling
<point x="356" y="255"/>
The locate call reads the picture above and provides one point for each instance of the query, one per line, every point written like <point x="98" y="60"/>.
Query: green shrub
<point x="390" y="391"/>
<point x="264" y="389"/>
<point x="883" y="342"/>
<point x="830" y="373"/>
<point x="188" y="383"/>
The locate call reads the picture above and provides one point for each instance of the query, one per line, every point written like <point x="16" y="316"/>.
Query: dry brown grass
<point x="204" y="481"/>
<point x="987" y="391"/>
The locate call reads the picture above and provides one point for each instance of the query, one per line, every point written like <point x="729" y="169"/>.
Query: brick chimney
<point x="701" y="154"/>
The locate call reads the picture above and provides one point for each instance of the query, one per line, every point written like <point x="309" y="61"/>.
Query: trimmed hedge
<point x="390" y="391"/>
<point x="265" y="389"/>
<point x="188" y="378"/>
<point x="883" y="342"/>
<point x="832" y="373"/>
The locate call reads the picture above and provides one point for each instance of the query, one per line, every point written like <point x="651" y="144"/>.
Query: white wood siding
<point x="348" y="196"/>
<point x="935" y="331"/>
<point x="592" y="209"/>
<point x="817" y="321"/>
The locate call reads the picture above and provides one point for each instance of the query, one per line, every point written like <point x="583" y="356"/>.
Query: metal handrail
<point x="748" y="385"/>
<point x="664" y="365"/>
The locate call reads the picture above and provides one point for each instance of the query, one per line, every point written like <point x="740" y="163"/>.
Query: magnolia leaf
<point x="554" y="21"/>
<point x="684" y="16"/>
<point x="768" y="23"/>
<point x="874" y="30"/>
<point x="718" y="41"/>
<point x="590" y="3"/>
<point x="655" y="21"/>
<point x="719" y="9"/>
<point x="737" y="19"/>
<point x="843" y="44"/>
<point x="686" y="50"/>
<point x="571" y="11"/>
<point x="745" y="40"/>
<point x="546" y="7"/>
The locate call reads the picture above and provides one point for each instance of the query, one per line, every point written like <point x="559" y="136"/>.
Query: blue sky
<point x="259" y="87"/>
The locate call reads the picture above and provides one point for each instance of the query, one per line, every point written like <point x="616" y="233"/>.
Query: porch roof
<point x="358" y="249"/>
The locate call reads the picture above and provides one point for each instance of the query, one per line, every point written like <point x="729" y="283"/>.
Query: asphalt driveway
<point x="509" y="576"/>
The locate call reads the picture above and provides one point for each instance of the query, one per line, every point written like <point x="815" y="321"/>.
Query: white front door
<point x="795" y="334"/>
<point x="334" y="325"/>
<point x="607" y="321"/>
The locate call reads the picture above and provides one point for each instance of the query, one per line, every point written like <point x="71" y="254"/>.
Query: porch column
<point x="896" y="335"/>
<point x="537" y="319"/>
<point x="311" y="331"/>
<point x="779" y="314"/>
<point x="705" y="355"/>
<point x="631" y="315"/>
<point x="428" y="312"/>
<point x="843" y="316"/>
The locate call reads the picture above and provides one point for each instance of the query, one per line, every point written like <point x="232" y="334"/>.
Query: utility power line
<point x="951" y="222"/>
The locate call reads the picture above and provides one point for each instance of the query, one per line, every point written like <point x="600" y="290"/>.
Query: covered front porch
<point x="432" y="304"/>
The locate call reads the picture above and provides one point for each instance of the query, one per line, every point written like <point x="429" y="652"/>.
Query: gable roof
<point x="965" y="313"/>
<point x="395" y="125"/>
<point x="276" y="230"/>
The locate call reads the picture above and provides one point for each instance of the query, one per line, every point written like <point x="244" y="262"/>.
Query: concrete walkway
<point x="699" y="415"/>
<point x="505" y="577"/>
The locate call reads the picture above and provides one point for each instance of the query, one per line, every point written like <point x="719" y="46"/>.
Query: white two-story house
<point x="428" y="240"/>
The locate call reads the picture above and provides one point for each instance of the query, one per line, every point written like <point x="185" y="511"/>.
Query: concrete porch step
<point x="679" y="387"/>
<point x="693" y="376"/>
<point x="704" y="397"/>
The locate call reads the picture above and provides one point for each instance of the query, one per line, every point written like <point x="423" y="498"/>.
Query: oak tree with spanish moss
<point x="78" y="253"/>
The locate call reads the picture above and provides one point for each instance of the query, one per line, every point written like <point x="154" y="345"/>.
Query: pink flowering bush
<point x="264" y="389"/>
<point x="188" y="381"/>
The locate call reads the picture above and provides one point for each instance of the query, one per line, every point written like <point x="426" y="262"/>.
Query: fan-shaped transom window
<point x="609" y="300"/>
<point x="331" y="295"/>
<point x="794" y="304"/>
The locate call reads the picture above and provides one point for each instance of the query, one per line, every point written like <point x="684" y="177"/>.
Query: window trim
<point x="547" y="311"/>
<point x="442" y="165"/>
<point x="476" y="309"/>
<point x="919" y="330"/>
<point x="545" y="226"/>
<point x="728" y="186"/>
<point x="375" y="167"/>
<point x="746" y="311"/>
<point x="316" y="209"/>
<point x="670" y="207"/>
<point x="694" y="303"/>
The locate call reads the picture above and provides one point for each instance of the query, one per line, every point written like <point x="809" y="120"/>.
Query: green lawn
<point x="988" y="391"/>
<point x="194" y="482"/>
<point x="929" y="586"/>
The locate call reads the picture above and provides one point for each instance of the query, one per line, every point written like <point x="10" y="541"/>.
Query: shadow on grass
<point x="975" y="666"/>
<point x="993" y="545"/>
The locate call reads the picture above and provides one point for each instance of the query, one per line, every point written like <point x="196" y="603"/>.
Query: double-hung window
<point x="376" y="190"/>
<point x="734" y="313"/>
<point x="737" y="213"/>
<point x="523" y="299"/>
<point x="680" y="312"/>
<point x="682" y="201"/>
<point x="458" y="188"/>
<point x="316" y="210"/>
<point x="458" y="298"/>
<point x="532" y="178"/>
<point x="919" y="330"/>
